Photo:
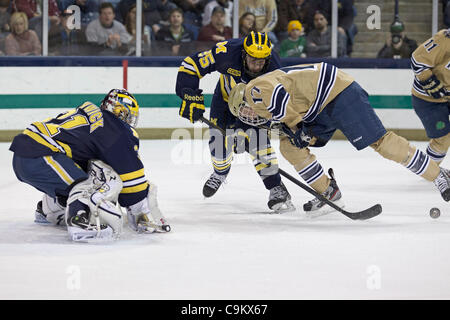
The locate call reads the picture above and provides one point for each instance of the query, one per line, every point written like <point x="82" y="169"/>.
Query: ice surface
<point x="229" y="246"/>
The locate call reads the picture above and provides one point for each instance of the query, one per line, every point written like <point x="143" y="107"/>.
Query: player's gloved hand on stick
<point x="298" y="138"/>
<point x="434" y="87"/>
<point x="193" y="105"/>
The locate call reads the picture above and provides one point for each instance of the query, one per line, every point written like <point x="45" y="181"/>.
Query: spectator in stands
<point x="21" y="41"/>
<point x="295" y="44"/>
<point x="246" y="24"/>
<point x="346" y="15"/>
<point x="398" y="45"/>
<point x="32" y="9"/>
<point x="107" y="35"/>
<point x="65" y="40"/>
<point x="193" y="10"/>
<point x="288" y="10"/>
<point x="318" y="41"/>
<point x="156" y="12"/>
<point x="266" y="15"/>
<point x="130" y="25"/>
<point x="174" y="40"/>
<point x="88" y="9"/>
<point x="225" y="4"/>
<point x="4" y="16"/>
<point x="215" y="31"/>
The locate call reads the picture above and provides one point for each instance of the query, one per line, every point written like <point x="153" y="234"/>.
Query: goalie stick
<point x="359" y="215"/>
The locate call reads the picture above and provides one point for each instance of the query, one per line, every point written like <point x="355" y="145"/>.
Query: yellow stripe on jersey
<point x="132" y="175"/>
<point x="41" y="127"/>
<point x="192" y="63"/>
<point x="36" y="137"/>
<point x="59" y="170"/>
<point x="137" y="188"/>
<point x="183" y="69"/>
<point x="222" y="88"/>
<point x="66" y="148"/>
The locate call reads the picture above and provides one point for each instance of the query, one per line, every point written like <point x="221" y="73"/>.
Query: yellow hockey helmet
<point x="258" y="45"/>
<point x="123" y="105"/>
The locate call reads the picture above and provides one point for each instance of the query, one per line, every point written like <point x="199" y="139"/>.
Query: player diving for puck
<point x="307" y="103"/>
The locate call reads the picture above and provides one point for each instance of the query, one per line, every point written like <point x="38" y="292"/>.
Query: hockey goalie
<point x="86" y="163"/>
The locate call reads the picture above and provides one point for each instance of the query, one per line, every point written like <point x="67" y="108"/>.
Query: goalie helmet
<point x="257" y="45"/>
<point x="240" y="108"/>
<point x="123" y="105"/>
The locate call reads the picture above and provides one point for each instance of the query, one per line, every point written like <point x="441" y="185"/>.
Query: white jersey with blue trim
<point x="296" y="93"/>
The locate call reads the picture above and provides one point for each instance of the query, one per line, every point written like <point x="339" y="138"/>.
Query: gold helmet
<point x="258" y="45"/>
<point x="236" y="98"/>
<point x="123" y="105"/>
<point x="240" y="108"/>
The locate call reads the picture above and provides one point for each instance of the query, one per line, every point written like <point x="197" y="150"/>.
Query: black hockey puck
<point x="435" y="213"/>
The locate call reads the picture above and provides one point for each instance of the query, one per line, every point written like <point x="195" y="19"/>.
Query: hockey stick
<point x="359" y="215"/>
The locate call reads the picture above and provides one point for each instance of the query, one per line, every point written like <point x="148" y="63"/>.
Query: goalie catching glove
<point x="193" y="105"/>
<point x="145" y="216"/>
<point x="434" y="87"/>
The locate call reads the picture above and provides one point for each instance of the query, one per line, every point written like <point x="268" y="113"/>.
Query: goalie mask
<point x="123" y="105"/>
<point x="240" y="108"/>
<point x="257" y="46"/>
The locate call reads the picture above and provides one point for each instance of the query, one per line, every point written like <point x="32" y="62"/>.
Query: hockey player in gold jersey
<point x="431" y="91"/>
<point x="309" y="102"/>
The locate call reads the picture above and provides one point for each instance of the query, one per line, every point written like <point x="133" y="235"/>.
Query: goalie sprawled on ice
<point x="86" y="163"/>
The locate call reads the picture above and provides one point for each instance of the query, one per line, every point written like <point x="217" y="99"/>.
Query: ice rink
<point x="229" y="246"/>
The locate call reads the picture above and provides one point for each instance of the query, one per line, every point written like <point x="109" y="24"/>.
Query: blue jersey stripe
<point x="325" y="84"/>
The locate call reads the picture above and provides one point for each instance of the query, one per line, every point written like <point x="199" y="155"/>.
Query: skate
<point x="442" y="182"/>
<point x="50" y="211"/>
<point x="81" y="230"/>
<point x="316" y="207"/>
<point x="280" y="199"/>
<point x="39" y="215"/>
<point x="212" y="184"/>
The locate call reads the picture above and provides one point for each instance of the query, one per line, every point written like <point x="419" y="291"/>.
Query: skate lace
<point x="215" y="181"/>
<point x="277" y="192"/>
<point x="442" y="181"/>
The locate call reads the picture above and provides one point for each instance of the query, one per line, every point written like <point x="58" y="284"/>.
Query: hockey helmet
<point x="240" y="108"/>
<point x="258" y="46"/>
<point x="123" y="105"/>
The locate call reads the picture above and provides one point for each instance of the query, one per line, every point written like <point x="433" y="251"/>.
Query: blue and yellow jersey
<point x="226" y="58"/>
<point x="86" y="133"/>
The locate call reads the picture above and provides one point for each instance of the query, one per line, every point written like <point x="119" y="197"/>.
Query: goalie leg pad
<point x="99" y="194"/>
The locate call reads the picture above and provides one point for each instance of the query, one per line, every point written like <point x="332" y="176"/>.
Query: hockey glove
<point x="298" y="138"/>
<point x="434" y="87"/>
<point x="193" y="105"/>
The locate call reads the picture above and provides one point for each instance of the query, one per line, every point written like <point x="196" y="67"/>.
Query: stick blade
<point x="366" y="214"/>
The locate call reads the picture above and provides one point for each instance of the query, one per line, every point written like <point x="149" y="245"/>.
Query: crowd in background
<point x="297" y="28"/>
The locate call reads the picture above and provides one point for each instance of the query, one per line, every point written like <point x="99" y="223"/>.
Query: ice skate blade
<point x="285" y="207"/>
<point x="326" y="209"/>
<point x="39" y="218"/>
